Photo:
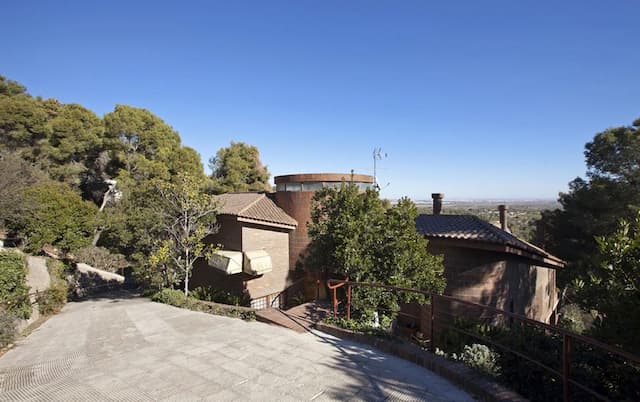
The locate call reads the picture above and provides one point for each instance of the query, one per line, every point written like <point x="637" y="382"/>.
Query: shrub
<point x="216" y="295"/>
<point x="173" y="297"/>
<point x="481" y="358"/>
<point x="101" y="258"/>
<point x="572" y="317"/>
<point x="7" y="327"/>
<point x="54" y="214"/>
<point x="177" y="298"/>
<point x="365" y="327"/>
<point x="53" y="299"/>
<point x="14" y="292"/>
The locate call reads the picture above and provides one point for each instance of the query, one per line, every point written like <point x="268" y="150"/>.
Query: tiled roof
<point x="467" y="227"/>
<point x="255" y="206"/>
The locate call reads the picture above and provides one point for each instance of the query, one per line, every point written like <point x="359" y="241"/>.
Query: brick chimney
<point x="504" y="217"/>
<point x="437" y="202"/>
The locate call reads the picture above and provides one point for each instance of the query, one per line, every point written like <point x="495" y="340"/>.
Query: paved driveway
<point x="123" y="348"/>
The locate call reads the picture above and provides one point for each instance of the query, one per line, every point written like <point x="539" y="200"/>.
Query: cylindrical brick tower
<point x="294" y="193"/>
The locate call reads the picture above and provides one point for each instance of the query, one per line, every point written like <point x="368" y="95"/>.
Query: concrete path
<point x="125" y="348"/>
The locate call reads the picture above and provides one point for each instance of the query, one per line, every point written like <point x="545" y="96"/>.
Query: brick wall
<point x="276" y="243"/>
<point x="499" y="280"/>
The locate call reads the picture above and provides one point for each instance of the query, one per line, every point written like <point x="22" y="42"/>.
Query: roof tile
<point x="468" y="227"/>
<point x="253" y="206"/>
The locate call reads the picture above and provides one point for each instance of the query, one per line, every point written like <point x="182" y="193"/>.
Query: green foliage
<point x="238" y="168"/>
<point x="54" y="214"/>
<point x="598" y="370"/>
<point x="146" y="147"/>
<point x="355" y="234"/>
<point x="477" y="356"/>
<point x="217" y="296"/>
<point x="17" y="175"/>
<point x="8" y="330"/>
<point x="614" y="289"/>
<point x="51" y="301"/>
<point x="573" y="318"/>
<point x="481" y="358"/>
<point x="360" y="326"/>
<point x="179" y="299"/>
<point x="173" y="297"/>
<point x="101" y="258"/>
<point x="592" y="207"/>
<point x="189" y="216"/>
<point x="14" y="292"/>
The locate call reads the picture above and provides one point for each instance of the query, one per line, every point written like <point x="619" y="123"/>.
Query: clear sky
<point x="476" y="99"/>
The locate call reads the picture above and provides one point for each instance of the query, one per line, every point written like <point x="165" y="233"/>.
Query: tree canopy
<point x="593" y="206"/>
<point x="237" y="168"/>
<point x="357" y="235"/>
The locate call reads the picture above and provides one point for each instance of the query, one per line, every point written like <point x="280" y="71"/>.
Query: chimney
<point x="504" y="224"/>
<point x="437" y="202"/>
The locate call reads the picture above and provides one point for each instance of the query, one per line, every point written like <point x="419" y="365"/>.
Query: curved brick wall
<point x="298" y="205"/>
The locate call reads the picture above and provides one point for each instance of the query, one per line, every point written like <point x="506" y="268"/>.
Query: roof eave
<point x="266" y="223"/>
<point x="483" y="245"/>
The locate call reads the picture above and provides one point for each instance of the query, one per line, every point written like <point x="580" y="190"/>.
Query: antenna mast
<point x="377" y="155"/>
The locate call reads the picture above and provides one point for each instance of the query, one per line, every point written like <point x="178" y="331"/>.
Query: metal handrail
<point x="567" y="336"/>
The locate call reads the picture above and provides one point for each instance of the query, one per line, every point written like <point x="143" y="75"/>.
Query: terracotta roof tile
<point x="253" y="206"/>
<point x="468" y="227"/>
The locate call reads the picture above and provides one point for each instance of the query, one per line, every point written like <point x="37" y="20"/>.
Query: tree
<point x="54" y="214"/>
<point x="359" y="236"/>
<point x="189" y="217"/>
<point x="593" y="207"/>
<point x="17" y="175"/>
<point x="613" y="286"/>
<point x="238" y="168"/>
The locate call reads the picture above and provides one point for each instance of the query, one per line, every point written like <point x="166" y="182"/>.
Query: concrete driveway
<point x="128" y="348"/>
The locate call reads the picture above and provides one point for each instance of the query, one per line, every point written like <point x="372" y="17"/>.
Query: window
<point x="311" y="186"/>
<point x="294" y="187"/>
<point x="280" y="187"/>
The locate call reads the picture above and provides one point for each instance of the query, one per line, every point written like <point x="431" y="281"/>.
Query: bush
<point x="364" y="327"/>
<point x="481" y="358"/>
<point x="572" y="317"/>
<point x="14" y="292"/>
<point x="600" y="371"/>
<point x="216" y="295"/>
<point x="177" y="298"/>
<point x="54" y="214"/>
<point x="53" y="299"/>
<point x="173" y="297"/>
<point x="101" y="258"/>
<point x="7" y="327"/>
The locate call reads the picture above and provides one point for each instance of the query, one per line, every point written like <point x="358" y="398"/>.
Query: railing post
<point x="432" y="317"/>
<point x="335" y="304"/>
<point x="348" y="302"/>
<point x="566" y="364"/>
<point x="317" y="289"/>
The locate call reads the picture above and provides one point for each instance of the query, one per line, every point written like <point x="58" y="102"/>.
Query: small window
<point x="294" y="187"/>
<point x="312" y="186"/>
<point x="280" y="187"/>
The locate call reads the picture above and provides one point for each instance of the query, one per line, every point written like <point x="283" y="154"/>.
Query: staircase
<point x="300" y="318"/>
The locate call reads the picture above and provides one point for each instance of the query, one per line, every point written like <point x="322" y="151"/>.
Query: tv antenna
<point x="377" y="155"/>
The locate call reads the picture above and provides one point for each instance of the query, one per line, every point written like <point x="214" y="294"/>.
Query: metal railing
<point x="568" y="337"/>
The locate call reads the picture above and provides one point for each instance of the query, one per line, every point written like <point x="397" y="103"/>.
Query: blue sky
<point x="491" y="99"/>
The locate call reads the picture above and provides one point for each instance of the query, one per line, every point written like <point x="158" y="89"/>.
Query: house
<point x="254" y="257"/>
<point x="487" y="264"/>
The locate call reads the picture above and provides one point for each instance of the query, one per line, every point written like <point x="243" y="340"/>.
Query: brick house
<point x="489" y="265"/>
<point x="254" y="257"/>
